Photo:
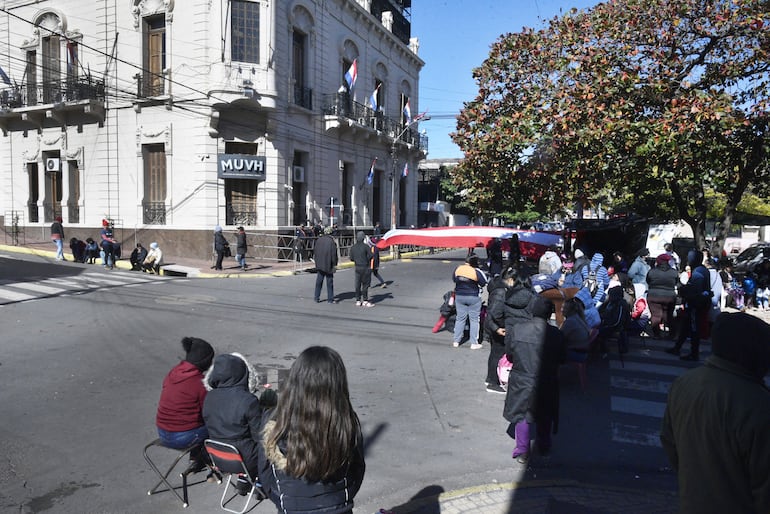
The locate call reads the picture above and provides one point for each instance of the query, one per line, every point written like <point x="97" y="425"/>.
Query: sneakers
<point x="367" y="304"/>
<point x="521" y="459"/>
<point x="476" y="346"/>
<point x="358" y="303"/>
<point x="494" y="388"/>
<point x="455" y="345"/>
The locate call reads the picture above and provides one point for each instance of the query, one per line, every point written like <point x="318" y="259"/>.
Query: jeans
<point x="59" y="249"/>
<point x="319" y="280"/>
<point x="109" y="254"/>
<point x="182" y="440"/>
<point x="363" y="279"/>
<point x="467" y="307"/>
<point x="241" y="258"/>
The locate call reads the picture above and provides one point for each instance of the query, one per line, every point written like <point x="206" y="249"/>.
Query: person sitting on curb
<point x="137" y="257"/>
<point x="153" y="260"/>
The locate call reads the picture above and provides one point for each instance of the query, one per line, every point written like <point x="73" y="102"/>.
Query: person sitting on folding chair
<point x="232" y="411"/>
<point x="179" y="418"/>
<point x="304" y="465"/>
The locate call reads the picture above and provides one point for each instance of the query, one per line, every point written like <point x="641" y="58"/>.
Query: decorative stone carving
<point x="142" y="8"/>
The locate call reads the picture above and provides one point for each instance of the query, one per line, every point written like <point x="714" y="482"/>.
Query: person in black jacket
<point x="137" y="257"/>
<point x="221" y="247"/>
<point x="325" y="258"/>
<point x="311" y="456"/>
<point x="361" y="256"/>
<point x="661" y="294"/>
<point x="494" y="325"/>
<point x="241" y="247"/>
<point x="232" y="410"/>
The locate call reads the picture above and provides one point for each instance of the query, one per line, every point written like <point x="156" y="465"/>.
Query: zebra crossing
<point x="14" y="291"/>
<point x="639" y="389"/>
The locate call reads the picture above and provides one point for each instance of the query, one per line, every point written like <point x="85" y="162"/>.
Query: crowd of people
<point x="302" y="444"/>
<point x="537" y="318"/>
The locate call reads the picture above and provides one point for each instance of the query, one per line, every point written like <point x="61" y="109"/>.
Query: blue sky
<point x="455" y="37"/>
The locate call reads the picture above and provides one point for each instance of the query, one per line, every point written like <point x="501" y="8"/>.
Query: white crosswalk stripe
<point x="639" y="388"/>
<point x="12" y="291"/>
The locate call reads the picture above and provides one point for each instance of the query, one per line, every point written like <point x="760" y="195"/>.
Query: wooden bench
<point x="175" y="270"/>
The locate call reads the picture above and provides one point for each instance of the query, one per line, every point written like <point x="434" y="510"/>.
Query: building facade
<point x="169" y="119"/>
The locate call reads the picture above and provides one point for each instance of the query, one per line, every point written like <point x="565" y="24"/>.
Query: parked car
<point x="750" y="258"/>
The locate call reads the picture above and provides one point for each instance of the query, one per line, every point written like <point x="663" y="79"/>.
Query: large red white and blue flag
<point x="352" y="74"/>
<point x="531" y="244"/>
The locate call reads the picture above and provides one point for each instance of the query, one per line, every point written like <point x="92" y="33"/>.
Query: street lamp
<point x="393" y="172"/>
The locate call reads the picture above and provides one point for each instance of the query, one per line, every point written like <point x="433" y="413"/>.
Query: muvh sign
<point x="232" y="165"/>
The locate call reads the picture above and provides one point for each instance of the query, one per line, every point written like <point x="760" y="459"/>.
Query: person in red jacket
<point x="179" y="418"/>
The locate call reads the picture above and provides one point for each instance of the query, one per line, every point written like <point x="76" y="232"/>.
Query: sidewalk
<point x="183" y="265"/>
<point x="547" y="497"/>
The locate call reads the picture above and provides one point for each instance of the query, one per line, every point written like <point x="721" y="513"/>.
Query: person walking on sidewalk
<point x="469" y="283"/>
<point x="241" y="247"/>
<point x="221" y="247"/>
<point x="361" y="255"/>
<point x="715" y="426"/>
<point x="57" y="236"/>
<point x="325" y="257"/>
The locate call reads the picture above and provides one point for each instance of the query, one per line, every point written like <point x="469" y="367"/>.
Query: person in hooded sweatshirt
<point x="179" y="418"/>
<point x="361" y="256"/>
<point x="602" y="277"/>
<point x="232" y="410"/>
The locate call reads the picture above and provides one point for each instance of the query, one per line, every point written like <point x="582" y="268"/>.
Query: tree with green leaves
<point x="652" y="104"/>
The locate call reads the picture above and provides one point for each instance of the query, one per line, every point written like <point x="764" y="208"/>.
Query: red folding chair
<point x="227" y="460"/>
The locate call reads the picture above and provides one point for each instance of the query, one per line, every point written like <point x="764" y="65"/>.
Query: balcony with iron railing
<point x="52" y="103"/>
<point x="303" y="96"/>
<point x="154" y="213"/>
<point x="339" y="106"/>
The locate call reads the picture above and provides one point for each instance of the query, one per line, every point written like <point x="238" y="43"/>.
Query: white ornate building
<point x="171" y="117"/>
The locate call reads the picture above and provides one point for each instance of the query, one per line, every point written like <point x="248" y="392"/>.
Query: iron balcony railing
<point x="340" y="104"/>
<point x="51" y="92"/>
<point x="240" y="214"/>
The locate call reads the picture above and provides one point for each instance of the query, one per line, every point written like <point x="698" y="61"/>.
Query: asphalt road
<point x="81" y="373"/>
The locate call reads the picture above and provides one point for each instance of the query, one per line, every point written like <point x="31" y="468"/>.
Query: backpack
<point x="591" y="282"/>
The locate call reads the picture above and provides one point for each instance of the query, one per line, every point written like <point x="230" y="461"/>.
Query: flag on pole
<point x="352" y="74"/>
<point x="373" y="98"/>
<point x="407" y="113"/>
<point x="370" y="176"/>
<point x="4" y="77"/>
<point x="406" y="170"/>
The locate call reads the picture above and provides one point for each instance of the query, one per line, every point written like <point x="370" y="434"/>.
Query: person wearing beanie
<point x="362" y="258"/>
<point x="715" y="426"/>
<point x="179" y="418"/>
<point x="57" y="236"/>
<point x="153" y="260"/>
<point x="109" y="245"/>
<point x="221" y="247"/>
<point x="325" y="258"/>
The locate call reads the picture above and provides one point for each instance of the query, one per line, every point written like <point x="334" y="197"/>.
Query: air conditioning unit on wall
<point x="298" y="174"/>
<point x="52" y="164"/>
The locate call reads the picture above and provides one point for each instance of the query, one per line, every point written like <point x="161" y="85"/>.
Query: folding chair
<point x="164" y="476"/>
<point x="227" y="460"/>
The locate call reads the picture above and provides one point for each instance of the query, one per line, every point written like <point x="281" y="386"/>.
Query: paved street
<point x="81" y="373"/>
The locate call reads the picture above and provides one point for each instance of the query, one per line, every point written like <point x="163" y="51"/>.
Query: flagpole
<point x="393" y="206"/>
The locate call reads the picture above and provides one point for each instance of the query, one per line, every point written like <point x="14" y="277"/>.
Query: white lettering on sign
<point x="243" y="165"/>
